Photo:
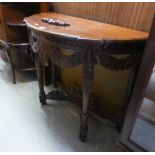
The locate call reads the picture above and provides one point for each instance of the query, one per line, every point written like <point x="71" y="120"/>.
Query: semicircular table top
<point x="82" y="28"/>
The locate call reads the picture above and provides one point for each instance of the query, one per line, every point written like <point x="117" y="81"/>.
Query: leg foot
<point x="39" y="67"/>
<point x="42" y="99"/>
<point x="83" y="134"/>
<point x="83" y="127"/>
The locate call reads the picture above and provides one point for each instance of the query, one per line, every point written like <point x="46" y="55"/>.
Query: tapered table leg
<point x="47" y="75"/>
<point x="39" y="68"/>
<point x="88" y="76"/>
<point x="55" y="76"/>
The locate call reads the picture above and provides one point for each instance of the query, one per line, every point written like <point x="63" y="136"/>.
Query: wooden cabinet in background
<point x="12" y="28"/>
<point x="13" y="31"/>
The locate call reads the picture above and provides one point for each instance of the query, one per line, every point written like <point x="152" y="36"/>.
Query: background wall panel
<point x="133" y="15"/>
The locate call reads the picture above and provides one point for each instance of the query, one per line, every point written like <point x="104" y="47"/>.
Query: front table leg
<point x="88" y="75"/>
<point x="39" y="68"/>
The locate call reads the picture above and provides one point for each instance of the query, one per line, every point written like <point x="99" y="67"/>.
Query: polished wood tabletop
<point x="82" y="28"/>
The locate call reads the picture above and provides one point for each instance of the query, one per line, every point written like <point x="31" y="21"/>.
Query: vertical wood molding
<point x="44" y="7"/>
<point x="135" y="15"/>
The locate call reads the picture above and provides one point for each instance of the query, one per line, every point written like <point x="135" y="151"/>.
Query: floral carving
<point x="113" y="63"/>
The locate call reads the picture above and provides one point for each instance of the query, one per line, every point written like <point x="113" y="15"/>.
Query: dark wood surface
<point x="13" y="31"/>
<point x="11" y="14"/>
<point x="92" y="43"/>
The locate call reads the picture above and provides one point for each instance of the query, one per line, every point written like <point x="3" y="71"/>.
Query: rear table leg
<point x="39" y="68"/>
<point x="8" y="53"/>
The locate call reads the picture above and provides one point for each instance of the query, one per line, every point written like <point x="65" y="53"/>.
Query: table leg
<point x="88" y="76"/>
<point x="8" y="53"/>
<point x="54" y="76"/>
<point x="47" y="75"/>
<point x="39" y="68"/>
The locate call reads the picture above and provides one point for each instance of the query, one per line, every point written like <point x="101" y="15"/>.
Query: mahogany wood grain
<point x="44" y="7"/>
<point x="83" y="29"/>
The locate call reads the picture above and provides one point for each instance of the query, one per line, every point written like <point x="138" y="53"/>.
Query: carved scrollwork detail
<point x="57" y="56"/>
<point x="113" y="63"/>
<point x="66" y="61"/>
<point x="47" y="50"/>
